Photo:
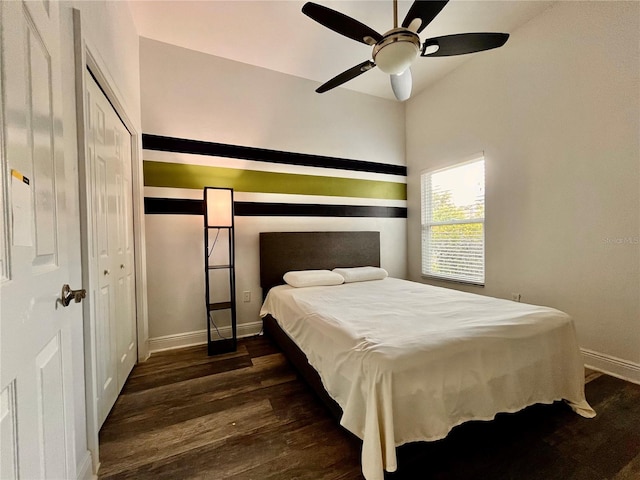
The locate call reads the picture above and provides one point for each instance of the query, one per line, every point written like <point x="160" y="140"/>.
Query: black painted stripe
<point x="181" y="206"/>
<point x="198" y="147"/>
<point x="249" y="209"/>
<point x="173" y="206"/>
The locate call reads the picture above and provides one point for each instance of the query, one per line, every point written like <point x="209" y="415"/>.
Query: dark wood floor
<point x="246" y="415"/>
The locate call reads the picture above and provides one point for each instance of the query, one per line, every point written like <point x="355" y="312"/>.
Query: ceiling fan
<point x="396" y="50"/>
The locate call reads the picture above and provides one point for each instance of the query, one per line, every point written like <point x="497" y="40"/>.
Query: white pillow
<point x="361" y="274"/>
<point x="312" y="278"/>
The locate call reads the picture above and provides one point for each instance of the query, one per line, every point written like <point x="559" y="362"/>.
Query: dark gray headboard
<point x="281" y="252"/>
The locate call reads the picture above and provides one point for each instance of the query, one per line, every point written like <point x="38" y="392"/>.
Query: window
<point x="453" y="222"/>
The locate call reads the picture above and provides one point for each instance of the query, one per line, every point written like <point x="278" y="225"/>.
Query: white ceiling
<point x="276" y="35"/>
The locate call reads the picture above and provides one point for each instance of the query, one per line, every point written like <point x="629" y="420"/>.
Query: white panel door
<point x="100" y="141"/>
<point x="124" y="261"/>
<point x="39" y="251"/>
<point x="109" y="148"/>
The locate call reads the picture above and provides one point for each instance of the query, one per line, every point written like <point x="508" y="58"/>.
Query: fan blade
<point x="339" y="22"/>
<point x="424" y="11"/>
<point x="345" y="76"/>
<point x="401" y="85"/>
<point x="462" y="43"/>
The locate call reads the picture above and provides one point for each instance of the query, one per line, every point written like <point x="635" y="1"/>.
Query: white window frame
<point x="478" y="277"/>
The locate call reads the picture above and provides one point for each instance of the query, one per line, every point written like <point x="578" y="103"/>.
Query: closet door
<point x="110" y="158"/>
<point x="101" y="142"/>
<point x="123" y="268"/>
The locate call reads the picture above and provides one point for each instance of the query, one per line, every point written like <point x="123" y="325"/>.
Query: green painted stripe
<point x="178" y="175"/>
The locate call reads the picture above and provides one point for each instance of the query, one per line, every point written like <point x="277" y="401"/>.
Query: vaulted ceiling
<point x="274" y="34"/>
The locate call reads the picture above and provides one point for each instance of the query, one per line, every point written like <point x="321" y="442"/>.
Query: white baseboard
<point x="199" y="337"/>
<point x="85" y="469"/>
<point x="178" y="340"/>
<point x="616" y="367"/>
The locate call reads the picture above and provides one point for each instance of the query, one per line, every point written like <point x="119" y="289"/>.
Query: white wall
<point x="556" y="111"/>
<point x="110" y="30"/>
<point x="187" y="94"/>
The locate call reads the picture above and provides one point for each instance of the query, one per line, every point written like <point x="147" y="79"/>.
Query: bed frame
<point x="281" y="252"/>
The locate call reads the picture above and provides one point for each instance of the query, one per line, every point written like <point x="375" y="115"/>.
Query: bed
<point x="398" y="361"/>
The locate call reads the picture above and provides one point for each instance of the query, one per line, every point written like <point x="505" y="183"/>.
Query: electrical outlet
<point x="246" y="296"/>
<point x="516" y="297"/>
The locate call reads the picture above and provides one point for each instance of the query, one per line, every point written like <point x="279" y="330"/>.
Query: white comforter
<point x="408" y="362"/>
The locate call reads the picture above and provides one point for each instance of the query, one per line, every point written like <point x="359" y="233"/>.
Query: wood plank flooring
<point x="246" y="415"/>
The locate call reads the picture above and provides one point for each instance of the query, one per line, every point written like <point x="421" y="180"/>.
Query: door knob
<point x="67" y="295"/>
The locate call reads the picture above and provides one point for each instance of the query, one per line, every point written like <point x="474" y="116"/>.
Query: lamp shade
<point x="219" y="206"/>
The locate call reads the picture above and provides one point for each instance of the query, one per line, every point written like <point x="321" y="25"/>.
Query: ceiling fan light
<point x="394" y="58"/>
<point x="396" y="51"/>
<point x="401" y="85"/>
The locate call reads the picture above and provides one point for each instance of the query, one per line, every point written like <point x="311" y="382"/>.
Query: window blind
<point x="453" y="222"/>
